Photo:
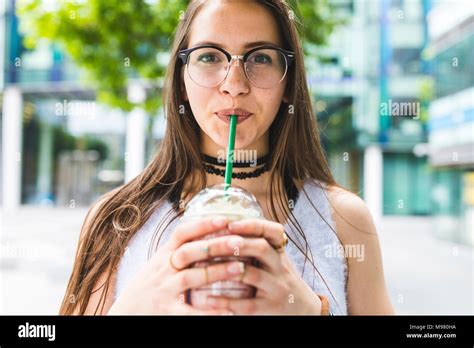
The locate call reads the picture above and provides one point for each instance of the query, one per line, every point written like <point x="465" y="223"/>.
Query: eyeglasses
<point x="264" y="66"/>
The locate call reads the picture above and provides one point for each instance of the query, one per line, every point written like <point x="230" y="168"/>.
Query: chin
<point x="223" y="142"/>
<point x="220" y="136"/>
<point x="240" y="144"/>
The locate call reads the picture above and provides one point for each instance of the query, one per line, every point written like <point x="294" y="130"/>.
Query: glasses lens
<point x="266" y="67"/>
<point x="207" y="66"/>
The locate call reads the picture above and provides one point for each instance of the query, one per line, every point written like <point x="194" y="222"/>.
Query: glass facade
<point x="453" y="68"/>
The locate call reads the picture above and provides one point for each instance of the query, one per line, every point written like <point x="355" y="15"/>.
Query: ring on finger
<point x="242" y="274"/>
<point x="283" y="244"/>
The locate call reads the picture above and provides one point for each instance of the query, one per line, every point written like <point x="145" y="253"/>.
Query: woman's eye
<point x="209" y="58"/>
<point x="261" y="59"/>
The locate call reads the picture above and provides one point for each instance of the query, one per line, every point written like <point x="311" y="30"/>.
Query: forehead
<point x="234" y="24"/>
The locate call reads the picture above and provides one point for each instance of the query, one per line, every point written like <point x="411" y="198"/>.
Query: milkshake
<point x="235" y="203"/>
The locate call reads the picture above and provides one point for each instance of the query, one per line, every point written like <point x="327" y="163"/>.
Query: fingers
<point x="239" y="306"/>
<point x="260" y="279"/>
<point x="188" y="231"/>
<point x="188" y="253"/>
<point x="232" y="245"/>
<point x="272" y="231"/>
<point x="199" y="276"/>
<point x="261" y="250"/>
<point x="190" y="310"/>
<point x="191" y="252"/>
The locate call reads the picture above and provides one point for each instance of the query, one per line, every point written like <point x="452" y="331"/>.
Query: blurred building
<point x="33" y="128"/>
<point x="370" y="103"/>
<point x="51" y="122"/>
<point x="451" y="118"/>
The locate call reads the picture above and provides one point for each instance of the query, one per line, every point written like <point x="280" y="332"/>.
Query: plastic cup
<point x="232" y="202"/>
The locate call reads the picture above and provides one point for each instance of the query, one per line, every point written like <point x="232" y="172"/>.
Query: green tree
<point x="113" y="40"/>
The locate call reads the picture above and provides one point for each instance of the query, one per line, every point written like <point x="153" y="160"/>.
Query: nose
<point x="236" y="82"/>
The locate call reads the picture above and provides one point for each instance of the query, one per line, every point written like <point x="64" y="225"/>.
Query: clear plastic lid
<point x="235" y="202"/>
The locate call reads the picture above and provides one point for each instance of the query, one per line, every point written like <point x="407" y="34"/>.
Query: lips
<point x="226" y="119"/>
<point x="242" y="114"/>
<point x="235" y="111"/>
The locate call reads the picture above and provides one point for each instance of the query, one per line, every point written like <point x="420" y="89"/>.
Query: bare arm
<point x="96" y="295"/>
<point x="367" y="292"/>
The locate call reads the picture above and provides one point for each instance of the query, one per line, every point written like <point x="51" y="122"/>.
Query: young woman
<point x="134" y="253"/>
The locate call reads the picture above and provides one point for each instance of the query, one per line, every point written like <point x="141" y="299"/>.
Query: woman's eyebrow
<point x="247" y="45"/>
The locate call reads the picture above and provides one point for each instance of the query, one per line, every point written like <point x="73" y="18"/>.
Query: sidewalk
<point x="424" y="275"/>
<point x="38" y="249"/>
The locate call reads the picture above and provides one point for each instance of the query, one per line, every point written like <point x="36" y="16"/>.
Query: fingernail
<point x="235" y="242"/>
<point x="228" y="313"/>
<point x="236" y="268"/>
<point x="219" y="221"/>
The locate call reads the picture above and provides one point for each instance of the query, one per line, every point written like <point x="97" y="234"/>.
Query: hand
<point x="280" y="289"/>
<point x="159" y="287"/>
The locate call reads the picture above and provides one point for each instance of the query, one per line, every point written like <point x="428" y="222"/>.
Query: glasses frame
<point x="289" y="56"/>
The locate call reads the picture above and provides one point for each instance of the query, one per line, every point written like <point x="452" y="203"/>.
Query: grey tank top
<point x="325" y="247"/>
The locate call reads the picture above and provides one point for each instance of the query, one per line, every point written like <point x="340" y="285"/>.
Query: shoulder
<point x="97" y="205"/>
<point x="343" y="203"/>
<point x="350" y="214"/>
<point x="349" y="204"/>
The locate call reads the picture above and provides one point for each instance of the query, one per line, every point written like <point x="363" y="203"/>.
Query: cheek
<point x="198" y="98"/>
<point x="270" y="101"/>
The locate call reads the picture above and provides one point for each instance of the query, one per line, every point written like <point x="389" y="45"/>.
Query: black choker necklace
<point x="211" y="162"/>
<point x="247" y="164"/>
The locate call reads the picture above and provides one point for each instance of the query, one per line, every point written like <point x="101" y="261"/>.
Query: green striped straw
<point x="230" y="152"/>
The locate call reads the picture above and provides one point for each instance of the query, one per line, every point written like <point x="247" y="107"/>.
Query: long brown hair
<point x="296" y="156"/>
